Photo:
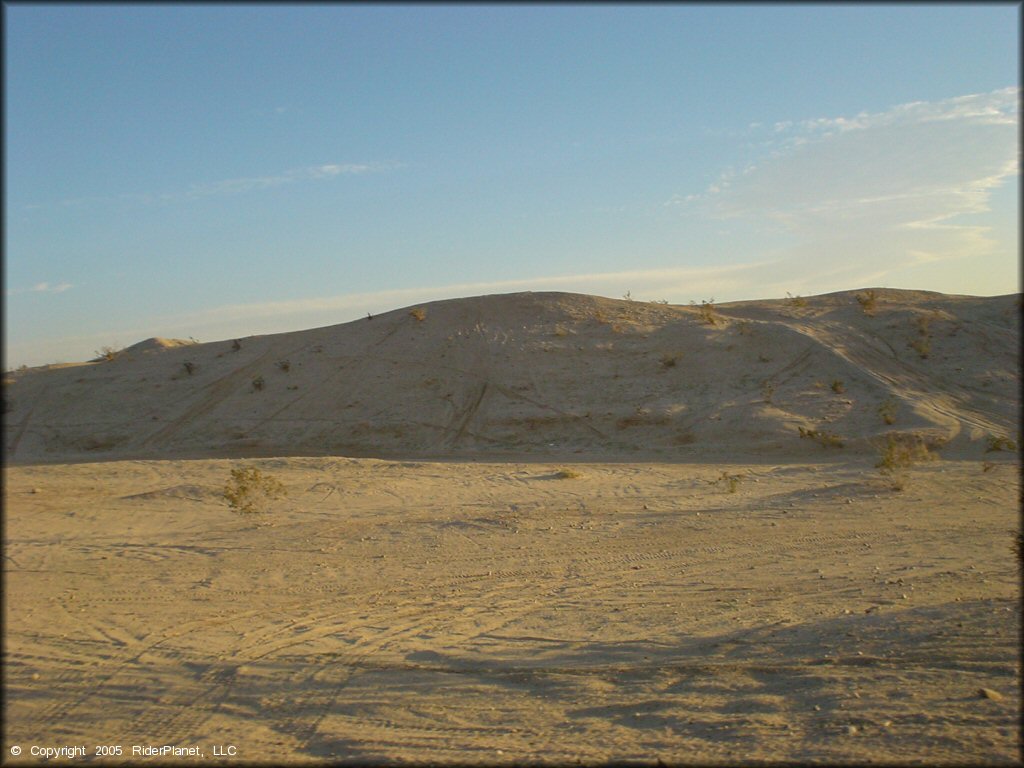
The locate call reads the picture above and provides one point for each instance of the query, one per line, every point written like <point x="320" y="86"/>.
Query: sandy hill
<point x="542" y="373"/>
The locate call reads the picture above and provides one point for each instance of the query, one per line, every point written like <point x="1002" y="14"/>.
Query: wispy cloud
<point x="42" y="288"/>
<point x="886" y="188"/>
<point x="234" y="186"/>
<point x="310" y="173"/>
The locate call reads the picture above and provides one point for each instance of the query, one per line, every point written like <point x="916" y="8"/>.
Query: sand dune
<point x="534" y="528"/>
<point x="530" y="372"/>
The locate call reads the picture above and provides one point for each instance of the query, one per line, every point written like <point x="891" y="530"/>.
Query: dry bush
<point x="106" y="353"/>
<point x="797" y="302"/>
<point x="257" y="383"/>
<point x="868" y="302"/>
<point x="708" y="314"/>
<point x="887" y="410"/>
<point x="729" y="482"/>
<point x="826" y="439"/>
<point x="669" y="361"/>
<point x="284" y="365"/>
<point x="418" y="314"/>
<point x="250" y="492"/>
<point x="903" y="451"/>
<point x="838" y="387"/>
<point x="923" y="346"/>
<point x="568" y="474"/>
<point x="999" y="443"/>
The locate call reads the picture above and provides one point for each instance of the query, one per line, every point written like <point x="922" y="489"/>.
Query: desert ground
<point x="533" y="528"/>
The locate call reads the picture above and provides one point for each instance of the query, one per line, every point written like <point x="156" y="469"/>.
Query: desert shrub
<point x="627" y="296"/>
<point x="744" y="327"/>
<point x="418" y="314"/>
<point x="669" y="361"/>
<point x="797" y="302"/>
<point x="999" y="443"/>
<point x="767" y="389"/>
<point x="729" y="482"/>
<point x="922" y="345"/>
<point x="236" y="345"/>
<point x="284" y="365"/>
<point x="568" y="474"/>
<point x="901" y="452"/>
<point x="868" y="302"/>
<point x="826" y="439"/>
<point x="838" y="387"/>
<point x="106" y="353"/>
<point x="708" y="313"/>
<point x="257" y="383"/>
<point x="887" y="410"/>
<point x="250" y="492"/>
<point x="189" y="367"/>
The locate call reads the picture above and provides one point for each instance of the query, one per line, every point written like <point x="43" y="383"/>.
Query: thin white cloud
<point x="310" y="173"/>
<point x="42" y="288"/>
<point x="883" y="189"/>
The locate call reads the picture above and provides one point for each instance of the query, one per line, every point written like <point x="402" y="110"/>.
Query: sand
<point x="511" y="580"/>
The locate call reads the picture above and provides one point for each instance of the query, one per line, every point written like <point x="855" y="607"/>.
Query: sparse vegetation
<point x="568" y="474"/>
<point x="669" y="361"/>
<point x="999" y="443"/>
<point x="627" y="296"/>
<point x="418" y="314"/>
<point x="236" y="345"/>
<point x="838" y="387"/>
<point x="730" y="482"/>
<point x="744" y="327"/>
<point x="106" y="353"/>
<point x="868" y="302"/>
<point x="189" y="367"/>
<point x="250" y="492"/>
<point x="825" y="438"/>
<point x="901" y="451"/>
<point x="923" y="346"/>
<point x="767" y="389"/>
<point x="284" y="365"/>
<point x="708" y="314"/>
<point x="797" y="302"/>
<point x="887" y="410"/>
<point x="257" y="383"/>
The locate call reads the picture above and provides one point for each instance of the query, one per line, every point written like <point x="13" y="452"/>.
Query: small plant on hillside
<point x="568" y="474"/>
<point x="257" y="384"/>
<point x="250" y="492"/>
<point x="744" y="327"/>
<point x="901" y="451"/>
<point x="767" y="390"/>
<point x="284" y="365"/>
<point x="418" y="314"/>
<point x="887" y="410"/>
<point x="868" y="302"/>
<point x="838" y="387"/>
<point x="669" y="361"/>
<point x="999" y="443"/>
<point x="797" y="302"/>
<point x="826" y="439"/>
<point x="923" y="347"/>
<point x="627" y="296"/>
<point x="106" y="353"/>
<point x="729" y="482"/>
<point x="708" y="314"/>
<point x="189" y="367"/>
<point x="236" y="345"/>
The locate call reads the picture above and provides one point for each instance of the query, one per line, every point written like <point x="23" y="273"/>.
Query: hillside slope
<point x="528" y="373"/>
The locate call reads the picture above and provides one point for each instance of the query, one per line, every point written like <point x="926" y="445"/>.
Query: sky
<point x="215" y="172"/>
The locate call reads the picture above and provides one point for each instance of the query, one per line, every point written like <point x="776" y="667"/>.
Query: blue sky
<point x="220" y="171"/>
